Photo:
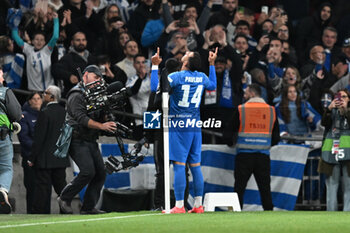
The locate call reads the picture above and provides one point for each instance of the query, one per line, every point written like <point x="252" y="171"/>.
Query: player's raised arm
<point x="212" y="73"/>
<point x="156" y="60"/>
<point x="212" y="56"/>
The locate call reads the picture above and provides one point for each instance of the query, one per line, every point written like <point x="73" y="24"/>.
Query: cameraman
<point x="84" y="149"/>
<point x="10" y="111"/>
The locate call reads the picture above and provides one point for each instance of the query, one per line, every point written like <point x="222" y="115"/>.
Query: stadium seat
<point x="212" y="200"/>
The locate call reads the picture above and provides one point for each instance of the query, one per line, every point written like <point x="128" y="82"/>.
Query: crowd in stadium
<point x="298" y="52"/>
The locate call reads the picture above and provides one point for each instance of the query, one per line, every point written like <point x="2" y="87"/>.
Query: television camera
<point x="103" y="97"/>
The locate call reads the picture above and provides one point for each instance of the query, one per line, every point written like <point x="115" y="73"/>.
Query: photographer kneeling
<point x="84" y="149"/>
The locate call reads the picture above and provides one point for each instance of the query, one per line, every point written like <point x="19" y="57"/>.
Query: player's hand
<point x="213" y="56"/>
<point x="156" y="59"/>
<point x="109" y="126"/>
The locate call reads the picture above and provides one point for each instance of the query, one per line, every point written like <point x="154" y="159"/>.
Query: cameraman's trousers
<point x="6" y="168"/>
<point x="88" y="158"/>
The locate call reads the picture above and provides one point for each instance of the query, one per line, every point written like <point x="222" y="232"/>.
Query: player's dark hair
<point x="194" y="62"/>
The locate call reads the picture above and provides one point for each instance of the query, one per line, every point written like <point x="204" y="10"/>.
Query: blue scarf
<point x="226" y="92"/>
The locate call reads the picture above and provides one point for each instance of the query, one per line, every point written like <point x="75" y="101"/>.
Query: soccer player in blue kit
<point x="185" y="135"/>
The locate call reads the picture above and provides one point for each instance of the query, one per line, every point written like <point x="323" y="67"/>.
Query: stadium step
<point x="212" y="200"/>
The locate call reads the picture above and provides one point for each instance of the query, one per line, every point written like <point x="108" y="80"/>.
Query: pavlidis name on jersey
<point x="193" y="79"/>
<point x="192" y="123"/>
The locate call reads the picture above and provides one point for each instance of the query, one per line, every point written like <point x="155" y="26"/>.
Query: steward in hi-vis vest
<point x="255" y="130"/>
<point x="254" y="127"/>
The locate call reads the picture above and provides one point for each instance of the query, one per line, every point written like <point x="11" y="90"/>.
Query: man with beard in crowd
<point x="78" y="56"/>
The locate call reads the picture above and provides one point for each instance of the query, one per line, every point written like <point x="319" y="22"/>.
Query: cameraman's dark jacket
<point x="78" y="116"/>
<point x="10" y="106"/>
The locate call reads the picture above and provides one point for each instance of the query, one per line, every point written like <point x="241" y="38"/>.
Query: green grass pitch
<point x="146" y="221"/>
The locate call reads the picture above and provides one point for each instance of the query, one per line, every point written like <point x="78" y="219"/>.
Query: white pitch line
<point x="76" y="221"/>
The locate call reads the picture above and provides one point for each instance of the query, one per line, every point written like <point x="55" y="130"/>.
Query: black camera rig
<point x="103" y="97"/>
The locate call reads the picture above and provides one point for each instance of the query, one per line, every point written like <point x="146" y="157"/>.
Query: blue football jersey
<point x="187" y="89"/>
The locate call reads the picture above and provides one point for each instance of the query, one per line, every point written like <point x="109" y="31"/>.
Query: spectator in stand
<point x="333" y="52"/>
<point x="291" y="76"/>
<point x="77" y="8"/>
<point x="30" y="111"/>
<point x="219" y="103"/>
<point x="180" y="5"/>
<point x="260" y="51"/>
<point x="112" y="10"/>
<point x="38" y="55"/>
<point x="78" y="56"/>
<point x="177" y="44"/>
<point x="267" y="27"/>
<point x="241" y="46"/>
<point x="283" y="34"/>
<point x="123" y="38"/>
<point x="4" y="6"/>
<point x="12" y="64"/>
<point x="113" y="26"/>
<point x="87" y="17"/>
<point x="244" y="15"/>
<point x="309" y="30"/>
<point x="191" y="15"/>
<point x="290" y="51"/>
<point x="61" y="47"/>
<point x="216" y="38"/>
<point x="243" y="28"/>
<point x="111" y="73"/>
<point x="146" y="10"/>
<point x="154" y="28"/>
<point x="275" y="62"/>
<point x="317" y="57"/>
<point x="50" y="171"/>
<point x="270" y="22"/>
<point x="281" y="19"/>
<point x="316" y="78"/>
<point x="140" y="85"/>
<point x="131" y="49"/>
<point x="40" y="21"/>
<point x="108" y="42"/>
<point x="295" y="116"/>
<point x="225" y="15"/>
<point x="342" y="67"/>
<point x="336" y="119"/>
<point x="56" y="4"/>
<point x="189" y="30"/>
